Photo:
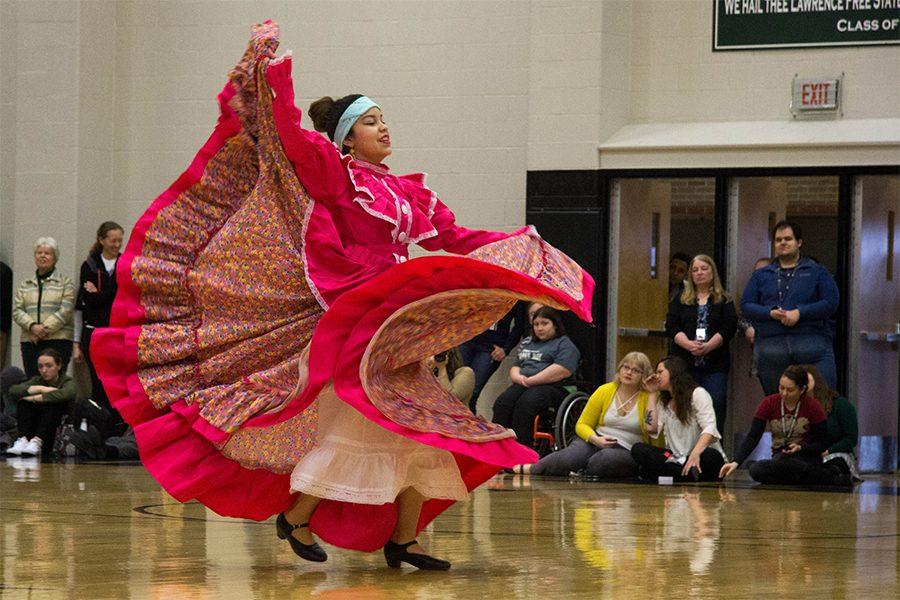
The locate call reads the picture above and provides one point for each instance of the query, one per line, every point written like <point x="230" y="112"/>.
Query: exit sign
<point x="819" y="96"/>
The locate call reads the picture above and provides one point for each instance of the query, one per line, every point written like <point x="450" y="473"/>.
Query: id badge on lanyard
<point x="701" y="334"/>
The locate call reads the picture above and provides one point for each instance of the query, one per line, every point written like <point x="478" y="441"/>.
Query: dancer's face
<point x="370" y="139"/>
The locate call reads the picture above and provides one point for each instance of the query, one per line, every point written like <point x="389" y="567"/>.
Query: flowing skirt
<point x="242" y="388"/>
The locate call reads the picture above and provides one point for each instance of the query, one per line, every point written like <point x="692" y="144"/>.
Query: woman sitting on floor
<point x="799" y="437"/>
<point x="685" y="414"/>
<point x="43" y="401"/>
<point x="610" y="424"/>
<point x="843" y="431"/>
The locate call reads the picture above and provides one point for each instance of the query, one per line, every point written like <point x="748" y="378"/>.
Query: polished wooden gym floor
<point x="108" y="531"/>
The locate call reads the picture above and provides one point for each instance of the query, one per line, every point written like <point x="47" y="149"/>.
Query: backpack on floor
<point x="73" y="442"/>
<point x="96" y="416"/>
<point x="124" y="446"/>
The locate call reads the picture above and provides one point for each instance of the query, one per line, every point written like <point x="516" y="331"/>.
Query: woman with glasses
<point x="610" y="424"/>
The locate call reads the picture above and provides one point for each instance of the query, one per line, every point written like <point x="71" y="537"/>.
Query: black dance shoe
<point x="313" y="552"/>
<point x="395" y="554"/>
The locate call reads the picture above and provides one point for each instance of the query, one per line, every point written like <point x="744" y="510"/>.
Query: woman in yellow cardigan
<point x="612" y="421"/>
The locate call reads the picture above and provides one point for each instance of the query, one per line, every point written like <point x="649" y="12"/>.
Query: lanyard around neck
<point x="788" y="432"/>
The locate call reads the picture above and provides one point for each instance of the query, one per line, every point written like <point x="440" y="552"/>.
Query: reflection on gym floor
<point x="92" y="530"/>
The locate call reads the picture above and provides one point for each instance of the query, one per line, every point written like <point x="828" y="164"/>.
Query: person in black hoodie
<point x="700" y="324"/>
<point x="96" y="292"/>
<point x="484" y="352"/>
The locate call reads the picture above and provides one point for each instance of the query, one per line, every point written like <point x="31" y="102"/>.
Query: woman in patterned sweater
<point x="43" y="308"/>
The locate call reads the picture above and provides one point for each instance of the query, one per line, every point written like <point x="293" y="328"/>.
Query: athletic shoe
<point x="33" y="448"/>
<point x="17" y="448"/>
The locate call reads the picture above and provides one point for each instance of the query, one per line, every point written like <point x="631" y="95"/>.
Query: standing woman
<point x="94" y="302"/>
<point x="43" y="309"/>
<point x="268" y="336"/>
<point x="684" y="413"/>
<point x="700" y="323"/>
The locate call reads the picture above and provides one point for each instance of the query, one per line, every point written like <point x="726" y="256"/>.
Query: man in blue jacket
<point x="790" y="303"/>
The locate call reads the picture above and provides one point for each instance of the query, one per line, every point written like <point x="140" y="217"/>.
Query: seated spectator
<point x="843" y="431"/>
<point x="799" y="437"/>
<point x="453" y="376"/>
<point x="484" y="352"/>
<point x="684" y="413"/>
<point x="701" y="323"/>
<point x="545" y="360"/>
<point x="610" y="424"/>
<point x="9" y="377"/>
<point x="43" y="308"/>
<point x="42" y="402"/>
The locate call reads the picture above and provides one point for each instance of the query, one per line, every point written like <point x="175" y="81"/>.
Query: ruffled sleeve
<point x="316" y="160"/>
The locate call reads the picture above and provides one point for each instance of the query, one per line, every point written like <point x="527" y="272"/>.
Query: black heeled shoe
<point x="395" y="554"/>
<point x="313" y="552"/>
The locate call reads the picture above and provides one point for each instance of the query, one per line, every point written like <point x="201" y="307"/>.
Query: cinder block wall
<point x="104" y="102"/>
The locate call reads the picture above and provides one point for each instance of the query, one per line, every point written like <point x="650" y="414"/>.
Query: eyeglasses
<point x="628" y="369"/>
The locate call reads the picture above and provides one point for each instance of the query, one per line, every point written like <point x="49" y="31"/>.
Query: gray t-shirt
<point x="534" y="356"/>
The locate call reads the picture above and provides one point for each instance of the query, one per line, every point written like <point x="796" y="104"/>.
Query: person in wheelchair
<point x="544" y="361"/>
<point x="610" y="424"/>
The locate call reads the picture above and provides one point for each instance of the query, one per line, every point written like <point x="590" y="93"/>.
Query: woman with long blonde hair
<point x="700" y="324"/>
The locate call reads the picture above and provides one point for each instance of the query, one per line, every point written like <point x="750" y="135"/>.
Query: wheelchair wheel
<point x="567" y="416"/>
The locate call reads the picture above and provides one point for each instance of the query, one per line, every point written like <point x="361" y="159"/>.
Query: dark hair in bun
<point x="326" y="112"/>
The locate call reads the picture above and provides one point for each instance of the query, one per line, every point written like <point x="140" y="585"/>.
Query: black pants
<point x="517" y="407"/>
<point x="98" y="394"/>
<point x="785" y="469"/>
<point x="30" y="354"/>
<point x="40" y="419"/>
<point x="653" y="463"/>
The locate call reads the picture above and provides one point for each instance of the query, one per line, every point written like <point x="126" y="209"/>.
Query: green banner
<point x="751" y="24"/>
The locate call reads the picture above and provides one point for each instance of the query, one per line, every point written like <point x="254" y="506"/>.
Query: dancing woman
<point x="268" y="338"/>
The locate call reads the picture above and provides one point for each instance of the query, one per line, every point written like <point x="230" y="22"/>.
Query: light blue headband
<point x="358" y="108"/>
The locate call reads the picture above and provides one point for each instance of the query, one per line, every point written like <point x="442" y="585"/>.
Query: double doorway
<point x="849" y="224"/>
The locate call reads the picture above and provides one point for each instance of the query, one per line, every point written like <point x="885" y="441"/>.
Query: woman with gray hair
<point x="43" y="308"/>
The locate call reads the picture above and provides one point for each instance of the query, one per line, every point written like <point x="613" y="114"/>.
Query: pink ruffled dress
<point x="269" y="331"/>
